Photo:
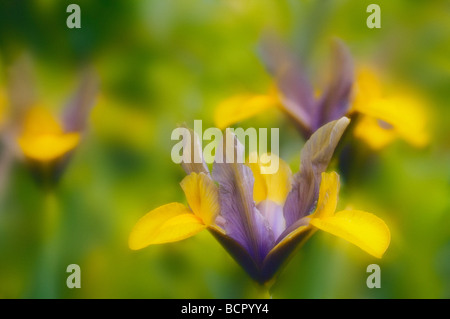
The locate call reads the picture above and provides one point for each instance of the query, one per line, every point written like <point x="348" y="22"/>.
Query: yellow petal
<point x="47" y="147"/>
<point x="202" y="196"/>
<point x="39" y="120"/>
<point x="328" y="195"/>
<point x="274" y="186"/>
<point x="367" y="88"/>
<point x="242" y="107"/>
<point x="167" y="223"/>
<point x="362" y="229"/>
<point x="405" y="114"/>
<point x="369" y="130"/>
<point x="260" y="184"/>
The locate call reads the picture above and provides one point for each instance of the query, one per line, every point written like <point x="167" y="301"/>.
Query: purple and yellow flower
<point x="383" y="117"/>
<point x="260" y="219"/>
<point x="44" y="138"/>
<point x="33" y="132"/>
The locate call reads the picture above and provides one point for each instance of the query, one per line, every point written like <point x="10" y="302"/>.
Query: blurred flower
<point x="43" y="139"/>
<point x="260" y="219"/>
<point x="385" y="118"/>
<point x="294" y="93"/>
<point x="46" y="142"/>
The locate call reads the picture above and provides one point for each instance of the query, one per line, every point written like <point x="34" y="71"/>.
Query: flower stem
<point x="45" y="283"/>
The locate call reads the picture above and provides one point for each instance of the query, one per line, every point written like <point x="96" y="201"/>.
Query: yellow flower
<point x="385" y="118"/>
<point x="43" y="138"/>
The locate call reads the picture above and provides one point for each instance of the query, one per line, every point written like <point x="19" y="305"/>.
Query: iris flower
<point x="44" y="139"/>
<point x="383" y="118"/>
<point x="260" y="219"/>
<point x="293" y="92"/>
<point x="31" y="130"/>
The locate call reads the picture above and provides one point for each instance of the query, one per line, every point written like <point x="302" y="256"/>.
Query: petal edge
<point x="365" y="230"/>
<point x="167" y="223"/>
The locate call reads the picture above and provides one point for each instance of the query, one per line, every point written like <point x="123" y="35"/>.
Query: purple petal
<point x="301" y="199"/>
<point x="273" y="213"/>
<point x="314" y="160"/>
<point x="243" y="222"/>
<point x="296" y="91"/>
<point x="280" y="255"/>
<point x="77" y="110"/>
<point x="22" y="89"/>
<point x="239" y="254"/>
<point x="335" y="100"/>
<point x="195" y="162"/>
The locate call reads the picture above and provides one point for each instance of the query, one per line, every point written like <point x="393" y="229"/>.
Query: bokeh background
<point x="162" y="63"/>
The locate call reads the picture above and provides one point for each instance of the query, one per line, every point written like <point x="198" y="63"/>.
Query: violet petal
<point x="335" y="100"/>
<point x="296" y="91"/>
<point x="244" y="223"/>
<point x="194" y="150"/>
<point x="314" y="159"/>
<point x="77" y="111"/>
